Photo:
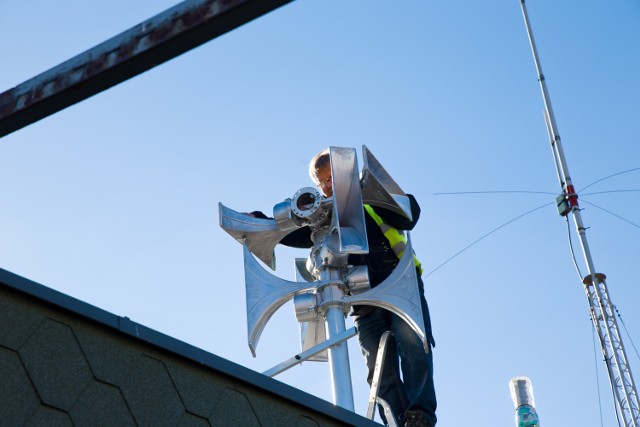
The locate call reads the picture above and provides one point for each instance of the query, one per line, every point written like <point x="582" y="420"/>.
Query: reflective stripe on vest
<point x="396" y="238"/>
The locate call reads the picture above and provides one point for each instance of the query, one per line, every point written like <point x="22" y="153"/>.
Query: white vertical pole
<point x="339" y="359"/>
<point x="595" y="286"/>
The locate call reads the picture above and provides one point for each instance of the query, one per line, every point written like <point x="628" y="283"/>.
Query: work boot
<point x="415" y="418"/>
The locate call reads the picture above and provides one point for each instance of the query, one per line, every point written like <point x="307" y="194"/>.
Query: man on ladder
<point x="411" y="398"/>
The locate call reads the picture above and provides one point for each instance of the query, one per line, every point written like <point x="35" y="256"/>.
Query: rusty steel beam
<point x="152" y="42"/>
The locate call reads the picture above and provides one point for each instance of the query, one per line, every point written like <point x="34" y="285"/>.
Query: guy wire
<point x="486" y="235"/>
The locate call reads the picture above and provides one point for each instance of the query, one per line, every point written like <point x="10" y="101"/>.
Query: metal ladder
<point x="375" y="384"/>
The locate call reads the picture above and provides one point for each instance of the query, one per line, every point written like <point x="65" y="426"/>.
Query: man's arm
<point x="300" y="238"/>
<point x="400" y="221"/>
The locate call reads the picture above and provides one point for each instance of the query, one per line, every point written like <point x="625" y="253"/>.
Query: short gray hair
<point x="319" y="161"/>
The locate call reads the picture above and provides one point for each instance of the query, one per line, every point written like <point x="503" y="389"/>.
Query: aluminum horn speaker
<point x="265" y="294"/>
<point x="379" y="189"/>
<point x="313" y="330"/>
<point x="260" y="235"/>
<point x="398" y="293"/>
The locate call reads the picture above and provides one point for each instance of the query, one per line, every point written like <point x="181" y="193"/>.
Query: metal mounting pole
<point x="601" y="308"/>
<point x="339" y="354"/>
<point x="339" y="361"/>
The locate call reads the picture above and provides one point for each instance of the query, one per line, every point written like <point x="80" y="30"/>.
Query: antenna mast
<point x="601" y="308"/>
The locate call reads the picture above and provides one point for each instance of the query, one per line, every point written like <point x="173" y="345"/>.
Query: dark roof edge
<point x="158" y="339"/>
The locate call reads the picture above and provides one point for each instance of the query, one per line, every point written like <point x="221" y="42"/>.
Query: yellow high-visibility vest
<point x="396" y="238"/>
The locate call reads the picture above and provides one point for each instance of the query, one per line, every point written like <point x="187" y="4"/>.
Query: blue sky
<point x="114" y="200"/>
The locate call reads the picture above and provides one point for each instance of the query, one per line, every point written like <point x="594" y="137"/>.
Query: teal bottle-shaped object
<point x="522" y="395"/>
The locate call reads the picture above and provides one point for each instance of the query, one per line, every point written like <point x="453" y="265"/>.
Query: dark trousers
<point x="405" y="353"/>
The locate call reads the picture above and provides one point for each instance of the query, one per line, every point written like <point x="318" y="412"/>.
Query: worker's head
<point x="320" y="172"/>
